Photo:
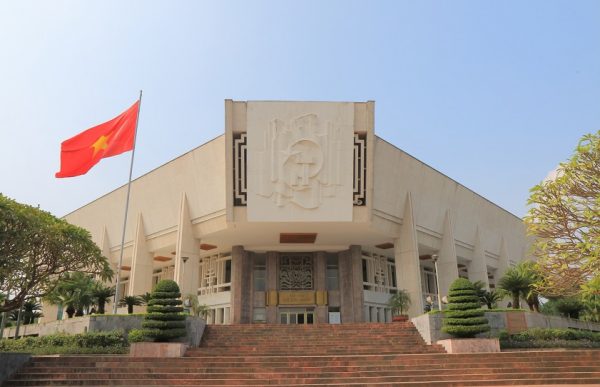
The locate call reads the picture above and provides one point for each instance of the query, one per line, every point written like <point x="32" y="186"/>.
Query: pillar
<point x="187" y="256"/>
<point x="406" y="255"/>
<point x="478" y="267"/>
<point x="321" y="284"/>
<point x="241" y="274"/>
<point x="447" y="263"/>
<point x="142" y="263"/>
<point x="351" y="288"/>
<point x="271" y="286"/>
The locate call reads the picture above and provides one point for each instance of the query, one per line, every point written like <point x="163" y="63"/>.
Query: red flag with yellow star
<point x="80" y="153"/>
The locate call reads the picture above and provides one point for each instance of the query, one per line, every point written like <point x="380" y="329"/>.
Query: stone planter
<point x="400" y="318"/>
<point x="157" y="349"/>
<point x="470" y="345"/>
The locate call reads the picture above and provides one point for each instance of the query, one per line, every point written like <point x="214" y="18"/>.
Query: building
<point x="300" y="214"/>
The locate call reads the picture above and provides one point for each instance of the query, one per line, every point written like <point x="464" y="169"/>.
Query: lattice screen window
<point x="240" y="190"/>
<point x="360" y="170"/>
<point x="296" y="272"/>
<point x="215" y="274"/>
<point x="379" y="273"/>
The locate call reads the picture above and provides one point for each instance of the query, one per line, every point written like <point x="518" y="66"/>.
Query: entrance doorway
<point x="296" y="316"/>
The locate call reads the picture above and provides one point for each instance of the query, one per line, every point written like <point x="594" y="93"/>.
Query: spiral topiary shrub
<point x="464" y="317"/>
<point x="164" y="319"/>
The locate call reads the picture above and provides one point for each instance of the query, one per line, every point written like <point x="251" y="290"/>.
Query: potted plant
<point x="399" y="303"/>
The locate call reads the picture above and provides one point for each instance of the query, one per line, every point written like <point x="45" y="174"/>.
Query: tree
<point x="486" y="297"/>
<point x="37" y="250"/>
<point x="164" y="320"/>
<point x="102" y="294"/>
<point x="528" y="270"/>
<point x="130" y="302"/>
<point x="400" y="302"/>
<point x="514" y="283"/>
<point x="30" y="311"/>
<point x="565" y="220"/>
<point x="590" y="296"/>
<point x="75" y="290"/>
<point x="464" y="317"/>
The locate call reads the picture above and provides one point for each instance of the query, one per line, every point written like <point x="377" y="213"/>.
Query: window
<point x="332" y="272"/>
<point x="259" y="272"/>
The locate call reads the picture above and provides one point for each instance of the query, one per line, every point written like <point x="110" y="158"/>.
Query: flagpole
<point x="137" y="121"/>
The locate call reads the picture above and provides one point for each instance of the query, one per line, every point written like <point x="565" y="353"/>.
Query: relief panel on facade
<point x="300" y="161"/>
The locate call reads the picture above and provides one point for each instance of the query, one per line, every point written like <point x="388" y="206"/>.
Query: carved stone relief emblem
<point x="301" y="161"/>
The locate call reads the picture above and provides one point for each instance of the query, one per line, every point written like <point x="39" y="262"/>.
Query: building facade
<point x="298" y="213"/>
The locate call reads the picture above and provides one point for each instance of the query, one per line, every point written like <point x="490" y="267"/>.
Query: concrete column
<point x="226" y="316"/>
<point x="346" y="295"/>
<point x="406" y="255"/>
<point x="106" y="249"/>
<point x="321" y="284"/>
<point x="187" y="253"/>
<point x="478" y="267"/>
<point x="271" y="285"/>
<point x="357" y="282"/>
<point x="140" y="280"/>
<point x="241" y="274"/>
<point x="503" y="260"/>
<point x="447" y="263"/>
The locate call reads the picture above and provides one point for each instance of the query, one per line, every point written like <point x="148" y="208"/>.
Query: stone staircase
<point x="343" y="355"/>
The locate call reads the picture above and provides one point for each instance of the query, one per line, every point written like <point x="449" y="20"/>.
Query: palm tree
<point x="74" y="291"/>
<point x="146" y="297"/>
<point x="102" y="294"/>
<point x="528" y="270"/>
<point x="30" y="311"/>
<point x="516" y="284"/>
<point x="130" y="302"/>
<point x="490" y="298"/>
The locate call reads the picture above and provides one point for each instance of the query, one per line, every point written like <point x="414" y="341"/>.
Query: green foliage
<point x="563" y="217"/>
<point x="550" y="338"/>
<point x="101" y="295"/>
<point x="31" y="310"/>
<point x="464" y="317"/>
<point x="91" y="342"/>
<point x="400" y="302"/>
<point x="590" y="296"/>
<point x="569" y="307"/>
<point x="137" y="336"/>
<point x="37" y="251"/>
<point x="196" y="309"/>
<point x="165" y="286"/>
<point x="130" y="302"/>
<point x="76" y="291"/>
<point x="164" y="319"/>
<point x="516" y="283"/>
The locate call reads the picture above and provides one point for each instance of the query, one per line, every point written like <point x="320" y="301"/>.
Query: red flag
<point x="80" y="153"/>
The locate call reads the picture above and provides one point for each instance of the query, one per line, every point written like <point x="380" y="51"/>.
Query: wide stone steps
<point x="342" y="355"/>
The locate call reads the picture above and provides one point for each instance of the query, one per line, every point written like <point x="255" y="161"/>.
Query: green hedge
<point x="62" y="343"/>
<point x="550" y="338"/>
<point x="464" y="318"/>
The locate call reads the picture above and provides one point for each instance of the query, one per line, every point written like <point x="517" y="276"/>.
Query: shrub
<point x="550" y="338"/>
<point x="137" y="335"/>
<point x="164" y="320"/>
<point x="91" y="342"/>
<point x="464" y="317"/>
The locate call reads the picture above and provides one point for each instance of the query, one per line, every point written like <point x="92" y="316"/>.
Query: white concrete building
<point x="300" y="214"/>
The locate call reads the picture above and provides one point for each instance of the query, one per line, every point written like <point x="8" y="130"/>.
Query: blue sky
<point x="492" y="94"/>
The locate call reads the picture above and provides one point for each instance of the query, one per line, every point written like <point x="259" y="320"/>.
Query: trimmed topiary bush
<point x="164" y="320"/>
<point x="464" y="317"/>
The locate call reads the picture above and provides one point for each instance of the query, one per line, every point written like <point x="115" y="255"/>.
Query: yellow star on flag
<point x="100" y="144"/>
